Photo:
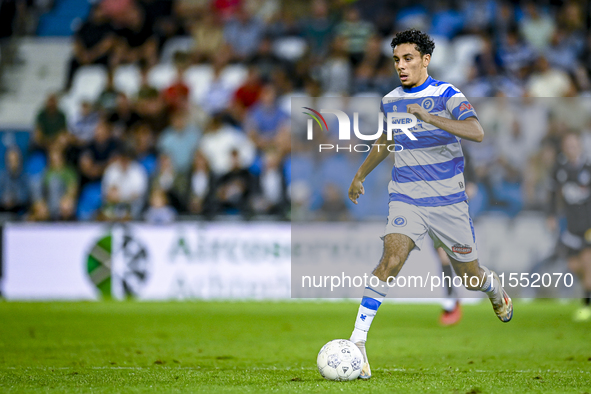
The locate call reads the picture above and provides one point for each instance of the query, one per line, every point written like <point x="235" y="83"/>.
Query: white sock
<point x="371" y="301"/>
<point x="491" y="287"/>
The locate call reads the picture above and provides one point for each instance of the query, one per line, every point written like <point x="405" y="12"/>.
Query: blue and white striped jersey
<point x="428" y="172"/>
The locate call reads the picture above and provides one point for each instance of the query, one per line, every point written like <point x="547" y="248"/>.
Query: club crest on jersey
<point x="461" y="249"/>
<point x="399" y="221"/>
<point x="465" y="107"/>
<point x="428" y="104"/>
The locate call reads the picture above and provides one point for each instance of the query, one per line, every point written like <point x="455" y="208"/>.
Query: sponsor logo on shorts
<point x="399" y="221"/>
<point x="461" y="249"/>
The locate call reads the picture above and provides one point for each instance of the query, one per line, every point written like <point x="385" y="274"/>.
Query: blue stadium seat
<point x="90" y="201"/>
<point x="63" y="17"/>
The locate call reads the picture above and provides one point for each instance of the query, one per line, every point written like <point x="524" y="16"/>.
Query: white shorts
<point x="449" y="226"/>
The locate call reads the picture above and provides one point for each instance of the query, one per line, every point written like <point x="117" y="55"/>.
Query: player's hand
<point x="356" y="189"/>
<point x="418" y="111"/>
<point x="552" y="223"/>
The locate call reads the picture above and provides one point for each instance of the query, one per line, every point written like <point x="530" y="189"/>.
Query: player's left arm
<point x="468" y="128"/>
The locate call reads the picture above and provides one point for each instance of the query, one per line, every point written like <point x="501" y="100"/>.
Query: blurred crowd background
<point x="175" y="108"/>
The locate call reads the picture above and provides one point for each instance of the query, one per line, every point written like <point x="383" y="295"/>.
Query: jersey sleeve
<point x="385" y="126"/>
<point x="459" y="107"/>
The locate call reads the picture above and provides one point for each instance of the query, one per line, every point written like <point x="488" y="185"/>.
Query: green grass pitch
<point x="185" y="347"/>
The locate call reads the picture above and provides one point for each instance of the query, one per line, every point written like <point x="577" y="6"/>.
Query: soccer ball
<point x="339" y="360"/>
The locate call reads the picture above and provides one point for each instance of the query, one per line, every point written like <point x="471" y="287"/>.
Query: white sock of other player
<point x="373" y="296"/>
<point x="492" y="287"/>
<point x="449" y="302"/>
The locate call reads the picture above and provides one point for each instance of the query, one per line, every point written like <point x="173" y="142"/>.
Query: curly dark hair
<point x="423" y="43"/>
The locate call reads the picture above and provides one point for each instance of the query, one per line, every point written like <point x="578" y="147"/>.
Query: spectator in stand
<point x="218" y="96"/>
<point x="159" y="212"/>
<point x="107" y="100"/>
<point x="234" y="190"/>
<point x="333" y="206"/>
<point x="173" y="183"/>
<point x="366" y="74"/>
<point x="515" y="55"/>
<point x="60" y="185"/>
<point x="246" y="95"/>
<point x="318" y="29"/>
<point x="83" y="126"/>
<point x="266" y="124"/>
<point x="14" y="183"/>
<point x="219" y="141"/>
<point x="176" y="95"/>
<point x="547" y="81"/>
<point x="355" y="32"/>
<point x="38" y="212"/>
<point x="142" y="141"/>
<point x="243" y="33"/>
<point x="124" y="116"/>
<point x="124" y="187"/>
<point x="201" y="184"/>
<point x="160" y="12"/>
<point x="136" y="40"/>
<point x="97" y="154"/>
<point x="93" y="43"/>
<point x="335" y="72"/>
<point x="179" y="141"/>
<point x="151" y="108"/>
<point x="50" y="124"/>
<point x="265" y="61"/>
<point x="272" y="197"/>
<point x="208" y="35"/>
<point x="537" y="28"/>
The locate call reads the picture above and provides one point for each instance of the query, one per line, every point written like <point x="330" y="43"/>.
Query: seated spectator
<point x="243" y="33"/>
<point x="179" y="141"/>
<point x="234" y="190"/>
<point x="14" y="184"/>
<point x="123" y="117"/>
<point x="272" y="198"/>
<point x="355" y="32"/>
<point x="208" y="35"/>
<point x="335" y="72"/>
<point x="201" y="184"/>
<point x="266" y="124"/>
<point x="536" y="27"/>
<point x="124" y="187"/>
<point x="83" y="125"/>
<point x="548" y="82"/>
<point x="159" y="212"/>
<point x="93" y="43"/>
<point x="107" y="100"/>
<point x="219" y="140"/>
<point x="151" y="108"/>
<point x="50" y="124"/>
<point x="174" y="184"/>
<point x="366" y="74"/>
<point x="142" y="141"/>
<point x="218" y="96"/>
<point x="247" y="94"/>
<point x="176" y="96"/>
<point x="38" y="212"/>
<point x="333" y="206"/>
<point x="265" y="61"/>
<point x="60" y="185"/>
<point x="136" y="40"/>
<point x="318" y="29"/>
<point x="97" y="154"/>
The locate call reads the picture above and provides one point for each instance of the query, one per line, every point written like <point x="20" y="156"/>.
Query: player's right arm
<point x="377" y="154"/>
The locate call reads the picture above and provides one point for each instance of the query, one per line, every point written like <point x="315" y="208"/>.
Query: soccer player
<point x="571" y="186"/>
<point x="427" y="190"/>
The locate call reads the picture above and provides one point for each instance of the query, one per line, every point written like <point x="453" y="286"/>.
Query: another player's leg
<point x="480" y="278"/>
<point x="581" y="266"/>
<point x="396" y="250"/>
<point x="452" y="312"/>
